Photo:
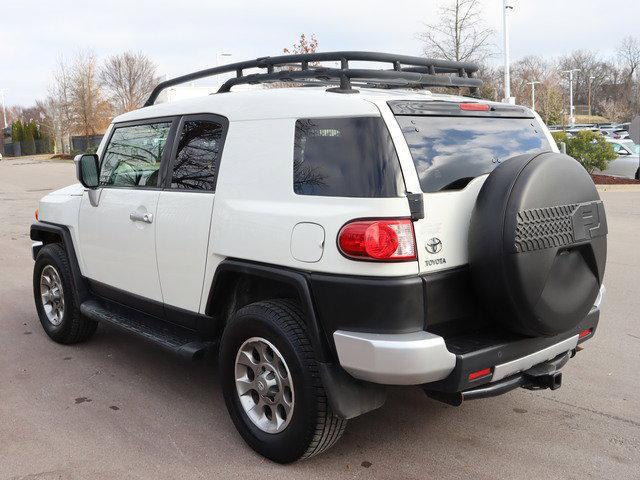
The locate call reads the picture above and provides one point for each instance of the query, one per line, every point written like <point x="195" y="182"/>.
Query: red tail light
<point x="585" y="333"/>
<point x="474" y="107"/>
<point x="382" y="240"/>
<point x="479" y="374"/>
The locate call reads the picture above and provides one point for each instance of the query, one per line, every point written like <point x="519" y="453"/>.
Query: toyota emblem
<point x="433" y="245"/>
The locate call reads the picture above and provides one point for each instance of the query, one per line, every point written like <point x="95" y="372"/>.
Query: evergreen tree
<point x="28" y="142"/>
<point x="17" y="131"/>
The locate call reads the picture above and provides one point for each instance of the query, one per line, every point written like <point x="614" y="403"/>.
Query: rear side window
<point x="448" y="152"/>
<point x="345" y="157"/>
<point x="132" y="157"/>
<point x="197" y="156"/>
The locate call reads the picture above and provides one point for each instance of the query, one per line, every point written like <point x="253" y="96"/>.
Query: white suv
<point x="330" y="241"/>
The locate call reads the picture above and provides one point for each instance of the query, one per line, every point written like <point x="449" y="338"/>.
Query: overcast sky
<point x="184" y="35"/>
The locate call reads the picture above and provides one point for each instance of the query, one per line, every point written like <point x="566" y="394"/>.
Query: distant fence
<point x="83" y="144"/>
<point x="79" y="144"/>
<point x="583" y="110"/>
<point x="35" y="147"/>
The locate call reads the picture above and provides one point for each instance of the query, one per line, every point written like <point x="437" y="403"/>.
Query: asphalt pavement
<point x="119" y="408"/>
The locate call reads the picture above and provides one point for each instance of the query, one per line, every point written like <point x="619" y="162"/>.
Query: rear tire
<point x="54" y="295"/>
<point x="312" y="426"/>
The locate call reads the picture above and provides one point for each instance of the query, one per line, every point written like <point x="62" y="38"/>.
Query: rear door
<point x="453" y="148"/>
<point x="117" y="233"/>
<point x="185" y="209"/>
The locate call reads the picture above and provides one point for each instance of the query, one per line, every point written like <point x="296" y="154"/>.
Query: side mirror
<point x="87" y="169"/>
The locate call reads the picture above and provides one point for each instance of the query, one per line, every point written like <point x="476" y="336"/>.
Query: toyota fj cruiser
<point x="330" y="240"/>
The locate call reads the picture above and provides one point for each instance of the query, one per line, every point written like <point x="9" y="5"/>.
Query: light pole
<point x="589" y="96"/>
<point x="4" y="111"/>
<point x="218" y="56"/>
<point x="533" y="93"/>
<point x="572" y="119"/>
<point x="505" y="37"/>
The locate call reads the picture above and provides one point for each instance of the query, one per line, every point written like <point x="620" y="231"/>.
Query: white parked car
<point x="331" y="240"/>
<point x="627" y="164"/>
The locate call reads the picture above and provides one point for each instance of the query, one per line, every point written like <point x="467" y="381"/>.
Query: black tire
<point x="73" y="328"/>
<point x="313" y="426"/>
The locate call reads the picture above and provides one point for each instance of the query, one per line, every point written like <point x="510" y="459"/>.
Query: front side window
<point x="448" y="152"/>
<point x="197" y="156"/>
<point x="345" y="157"/>
<point x="132" y="157"/>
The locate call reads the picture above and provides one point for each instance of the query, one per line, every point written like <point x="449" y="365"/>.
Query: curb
<point x="618" y="188"/>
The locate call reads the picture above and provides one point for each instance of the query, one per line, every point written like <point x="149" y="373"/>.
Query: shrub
<point x="589" y="148"/>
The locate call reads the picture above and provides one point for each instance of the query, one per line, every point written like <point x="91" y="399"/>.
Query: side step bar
<point x="542" y="376"/>
<point x="175" y="339"/>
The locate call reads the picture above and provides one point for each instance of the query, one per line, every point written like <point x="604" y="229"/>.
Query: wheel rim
<point x="264" y="385"/>
<point x="51" y="294"/>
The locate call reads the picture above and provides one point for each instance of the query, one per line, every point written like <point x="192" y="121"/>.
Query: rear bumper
<point x="543" y="375"/>
<point x="394" y="359"/>
<point x="421" y="357"/>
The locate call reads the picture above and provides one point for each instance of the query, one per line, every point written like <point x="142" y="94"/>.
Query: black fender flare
<point x="46" y="232"/>
<point x="347" y="396"/>
<point x="296" y="280"/>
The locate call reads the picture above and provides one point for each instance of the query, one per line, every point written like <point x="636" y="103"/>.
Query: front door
<point x="118" y="231"/>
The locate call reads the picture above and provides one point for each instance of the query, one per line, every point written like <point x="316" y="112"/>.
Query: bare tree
<point x="304" y="45"/>
<point x="459" y="33"/>
<point x="50" y="120"/>
<point x="59" y="106"/>
<point x="616" y="110"/>
<point x="90" y="111"/>
<point x="128" y="78"/>
<point x="491" y="81"/>
<point x="548" y="91"/>
<point x="589" y="65"/>
<point x="629" y="57"/>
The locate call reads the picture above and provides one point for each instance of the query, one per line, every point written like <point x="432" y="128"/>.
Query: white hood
<point x="72" y="190"/>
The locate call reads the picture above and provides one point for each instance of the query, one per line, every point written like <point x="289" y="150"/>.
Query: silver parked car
<point x="628" y="162"/>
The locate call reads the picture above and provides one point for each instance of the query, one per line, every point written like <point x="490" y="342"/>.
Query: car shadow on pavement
<point x="136" y="403"/>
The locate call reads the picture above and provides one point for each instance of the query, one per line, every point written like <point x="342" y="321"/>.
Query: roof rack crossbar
<point x="388" y="78"/>
<point x="405" y="71"/>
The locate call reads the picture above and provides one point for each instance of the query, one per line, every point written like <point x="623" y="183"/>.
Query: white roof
<point x="295" y="102"/>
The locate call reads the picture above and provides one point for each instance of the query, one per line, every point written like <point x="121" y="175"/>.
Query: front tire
<point x="272" y="386"/>
<point x="53" y="290"/>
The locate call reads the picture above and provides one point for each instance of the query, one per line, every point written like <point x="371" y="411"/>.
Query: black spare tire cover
<point x="538" y="244"/>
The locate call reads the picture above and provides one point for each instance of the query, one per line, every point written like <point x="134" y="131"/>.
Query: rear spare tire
<point x="538" y="244"/>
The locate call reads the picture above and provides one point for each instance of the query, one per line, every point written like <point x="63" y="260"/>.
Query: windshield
<point x="448" y="152"/>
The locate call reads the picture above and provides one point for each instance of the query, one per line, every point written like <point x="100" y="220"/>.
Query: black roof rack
<point x="405" y="71"/>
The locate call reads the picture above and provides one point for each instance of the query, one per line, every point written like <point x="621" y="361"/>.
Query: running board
<point x="175" y="339"/>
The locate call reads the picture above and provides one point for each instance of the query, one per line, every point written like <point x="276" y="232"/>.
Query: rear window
<point x="345" y="157"/>
<point x="448" y="152"/>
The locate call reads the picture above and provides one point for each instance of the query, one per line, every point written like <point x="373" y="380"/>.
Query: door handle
<point x="141" y="217"/>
